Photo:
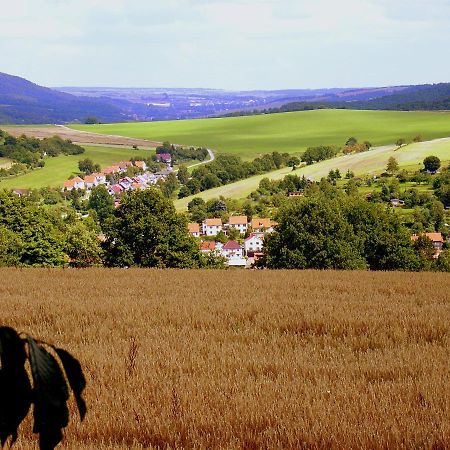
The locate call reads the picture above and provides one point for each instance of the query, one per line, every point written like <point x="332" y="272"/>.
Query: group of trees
<point x="319" y="153"/>
<point x="32" y="236"/>
<point x="344" y="232"/>
<point x="228" y="168"/>
<point x="145" y="231"/>
<point x="181" y="154"/>
<point x="31" y="151"/>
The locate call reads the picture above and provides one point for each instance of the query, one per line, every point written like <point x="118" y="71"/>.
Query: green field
<point x="289" y="132"/>
<point x="58" y="169"/>
<point x="371" y="162"/>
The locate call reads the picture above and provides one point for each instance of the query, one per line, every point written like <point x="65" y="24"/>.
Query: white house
<point x="238" y="222"/>
<point x="232" y="250"/>
<point x="194" y="229"/>
<point x="210" y="227"/>
<point x="100" y="178"/>
<point x="253" y="244"/>
<point x="74" y="183"/>
<point x="262" y="225"/>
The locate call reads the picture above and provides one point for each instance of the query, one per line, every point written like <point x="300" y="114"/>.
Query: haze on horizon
<point x="228" y="44"/>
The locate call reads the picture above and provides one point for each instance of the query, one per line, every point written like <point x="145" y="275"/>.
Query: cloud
<point x="226" y="43"/>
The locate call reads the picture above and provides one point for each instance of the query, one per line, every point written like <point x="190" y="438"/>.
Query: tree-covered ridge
<point x="415" y="98"/>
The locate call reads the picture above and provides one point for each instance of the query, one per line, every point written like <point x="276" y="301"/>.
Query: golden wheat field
<point x="245" y="359"/>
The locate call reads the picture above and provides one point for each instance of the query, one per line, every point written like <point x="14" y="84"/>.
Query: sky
<point x="228" y="44"/>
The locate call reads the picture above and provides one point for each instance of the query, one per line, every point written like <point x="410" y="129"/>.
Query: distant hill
<point x="427" y="97"/>
<point x="23" y="102"/>
<point x="413" y="98"/>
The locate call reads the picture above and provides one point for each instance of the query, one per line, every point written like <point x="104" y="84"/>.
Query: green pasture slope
<point x="58" y="169"/>
<point x="371" y="162"/>
<point x="293" y="132"/>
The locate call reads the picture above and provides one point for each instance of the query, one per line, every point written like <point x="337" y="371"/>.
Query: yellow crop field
<point x="245" y="359"/>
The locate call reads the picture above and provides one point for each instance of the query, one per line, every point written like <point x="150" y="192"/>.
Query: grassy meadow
<point x="245" y="359"/>
<point x="60" y="168"/>
<point x="409" y="157"/>
<point x="293" y="132"/>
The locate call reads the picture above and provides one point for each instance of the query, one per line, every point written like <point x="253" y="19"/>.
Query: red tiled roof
<point x="231" y="245"/>
<point x="89" y="178"/>
<point x="208" y="245"/>
<point x="194" y="228"/>
<point x="435" y="237"/>
<point x="238" y="220"/>
<point x="258" y="222"/>
<point x="212" y="222"/>
<point x="252" y="235"/>
<point x="69" y="183"/>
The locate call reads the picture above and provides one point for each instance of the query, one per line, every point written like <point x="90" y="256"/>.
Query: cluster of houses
<point x="123" y="184"/>
<point x="236" y="254"/>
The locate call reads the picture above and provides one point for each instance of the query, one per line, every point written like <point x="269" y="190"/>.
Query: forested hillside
<point x="23" y="102"/>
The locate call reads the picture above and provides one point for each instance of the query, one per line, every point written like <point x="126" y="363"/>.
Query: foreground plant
<point x="47" y="389"/>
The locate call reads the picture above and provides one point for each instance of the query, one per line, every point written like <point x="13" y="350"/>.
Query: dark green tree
<point x="88" y="166"/>
<point x="432" y="163"/>
<point x="313" y="233"/>
<point x="10" y="248"/>
<point x="146" y="231"/>
<point x="101" y="202"/>
<point x="183" y="175"/>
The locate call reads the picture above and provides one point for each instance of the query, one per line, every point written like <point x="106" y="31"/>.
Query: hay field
<point x="246" y="360"/>
<point x="253" y="136"/>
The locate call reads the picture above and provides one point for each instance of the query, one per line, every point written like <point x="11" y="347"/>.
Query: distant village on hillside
<point x="115" y="181"/>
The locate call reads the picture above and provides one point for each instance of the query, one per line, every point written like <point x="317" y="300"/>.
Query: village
<point x="251" y="234"/>
<point x="115" y="177"/>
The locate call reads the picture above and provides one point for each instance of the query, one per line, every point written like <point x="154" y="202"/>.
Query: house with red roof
<point x="194" y="229"/>
<point x="115" y="189"/>
<point x="240" y="223"/>
<point x="111" y="170"/>
<point x="141" y="165"/>
<point x="74" y="183"/>
<point x="232" y="249"/>
<point x="262" y="225"/>
<point x="210" y="227"/>
<point x="436" y="238"/>
<point x="164" y="157"/>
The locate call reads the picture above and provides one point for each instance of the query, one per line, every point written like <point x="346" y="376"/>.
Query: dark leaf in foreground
<point x="15" y="388"/>
<point x="51" y="394"/>
<point x="75" y="376"/>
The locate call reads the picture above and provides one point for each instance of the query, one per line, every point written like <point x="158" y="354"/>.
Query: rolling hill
<point x="370" y="162"/>
<point x="251" y="136"/>
<point x="23" y="102"/>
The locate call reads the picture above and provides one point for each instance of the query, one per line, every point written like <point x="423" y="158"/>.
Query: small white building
<point x="210" y="227"/>
<point x="262" y="225"/>
<point x="253" y="244"/>
<point x="74" y="183"/>
<point x="194" y="229"/>
<point x="232" y="250"/>
<point x="239" y="223"/>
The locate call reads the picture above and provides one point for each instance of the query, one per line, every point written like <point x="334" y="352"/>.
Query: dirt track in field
<point x="82" y="137"/>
